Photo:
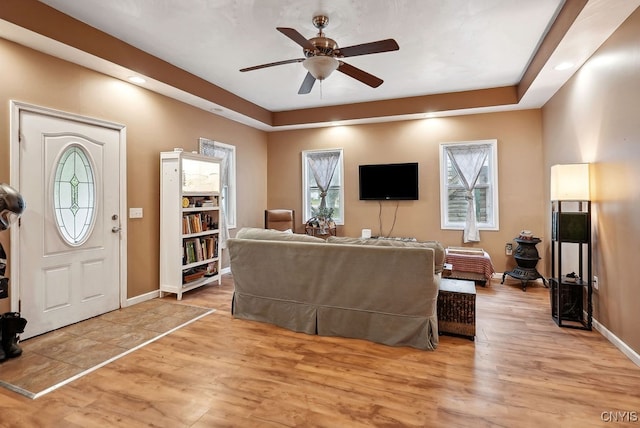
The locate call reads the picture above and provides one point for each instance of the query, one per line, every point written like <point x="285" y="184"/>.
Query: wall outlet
<point x="508" y="249"/>
<point x="596" y="285"/>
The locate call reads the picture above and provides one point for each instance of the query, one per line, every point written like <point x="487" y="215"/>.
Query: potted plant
<point x="322" y="218"/>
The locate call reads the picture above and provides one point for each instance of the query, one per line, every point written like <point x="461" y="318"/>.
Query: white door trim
<point x="14" y="167"/>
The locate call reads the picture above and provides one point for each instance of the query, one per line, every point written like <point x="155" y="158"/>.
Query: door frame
<point x="14" y="167"/>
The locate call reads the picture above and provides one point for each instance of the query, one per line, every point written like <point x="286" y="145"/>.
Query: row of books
<point x="199" y="222"/>
<point x="207" y="203"/>
<point x="199" y="249"/>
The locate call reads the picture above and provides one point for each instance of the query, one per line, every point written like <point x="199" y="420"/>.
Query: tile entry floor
<point x="52" y="358"/>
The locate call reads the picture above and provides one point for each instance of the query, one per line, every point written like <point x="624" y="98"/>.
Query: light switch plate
<point x="135" y="212"/>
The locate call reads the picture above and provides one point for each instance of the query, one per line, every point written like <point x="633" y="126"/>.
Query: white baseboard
<point x="156" y="293"/>
<point x="618" y="343"/>
<point x="143" y="298"/>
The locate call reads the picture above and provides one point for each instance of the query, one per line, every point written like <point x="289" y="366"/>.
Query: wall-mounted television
<point x="396" y="181"/>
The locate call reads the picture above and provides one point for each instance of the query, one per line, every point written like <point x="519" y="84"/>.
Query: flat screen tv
<point x="397" y="181"/>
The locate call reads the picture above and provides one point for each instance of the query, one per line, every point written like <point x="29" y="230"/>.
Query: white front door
<point x="69" y="234"/>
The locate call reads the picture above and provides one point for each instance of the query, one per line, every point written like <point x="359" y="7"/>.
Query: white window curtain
<point x="323" y="165"/>
<point x="224" y="155"/>
<point x="468" y="161"/>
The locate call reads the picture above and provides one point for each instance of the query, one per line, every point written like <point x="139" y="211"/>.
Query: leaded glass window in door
<point x="74" y="191"/>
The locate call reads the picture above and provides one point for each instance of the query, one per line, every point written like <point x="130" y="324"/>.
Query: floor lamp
<point x="571" y="183"/>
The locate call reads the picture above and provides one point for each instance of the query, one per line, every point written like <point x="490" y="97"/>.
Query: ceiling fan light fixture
<point x="320" y="66"/>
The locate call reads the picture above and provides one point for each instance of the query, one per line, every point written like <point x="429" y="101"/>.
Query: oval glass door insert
<point x="74" y="191"/>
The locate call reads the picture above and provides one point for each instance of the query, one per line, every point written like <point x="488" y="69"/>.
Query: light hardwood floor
<point x="521" y="371"/>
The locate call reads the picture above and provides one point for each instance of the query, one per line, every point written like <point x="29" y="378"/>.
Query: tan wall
<point x="594" y="118"/>
<point x="520" y="174"/>
<point x="154" y="123"/>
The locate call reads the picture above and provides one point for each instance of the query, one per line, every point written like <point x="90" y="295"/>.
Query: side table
<point x="457" y="308"/>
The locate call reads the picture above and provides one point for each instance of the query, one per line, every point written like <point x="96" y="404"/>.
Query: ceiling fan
<point x="321" y="56"/>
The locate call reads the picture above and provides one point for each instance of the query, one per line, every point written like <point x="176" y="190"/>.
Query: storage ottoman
<point x="457" y="308"/>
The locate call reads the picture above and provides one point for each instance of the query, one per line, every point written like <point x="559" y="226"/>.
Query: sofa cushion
<point x="275" y="235"/>
<point x="435" y="245"/>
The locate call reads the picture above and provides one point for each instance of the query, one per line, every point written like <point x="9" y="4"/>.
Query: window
<point x="311" y="191"/>
<point x="74" y="191"/>
<point x="227" y="153"/>
<point x="453" y="194"/>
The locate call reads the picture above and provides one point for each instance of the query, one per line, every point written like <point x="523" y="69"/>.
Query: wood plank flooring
<point x="522" y="370"/>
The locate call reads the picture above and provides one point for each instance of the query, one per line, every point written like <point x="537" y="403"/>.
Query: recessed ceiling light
<point x="136" y="79"/>
<point x="563" y="66"/>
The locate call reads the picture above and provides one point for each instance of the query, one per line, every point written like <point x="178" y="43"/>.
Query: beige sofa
<point x="382" y="291"/>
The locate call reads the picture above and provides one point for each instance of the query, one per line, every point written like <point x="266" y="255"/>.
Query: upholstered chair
<point x="280" y="219"/>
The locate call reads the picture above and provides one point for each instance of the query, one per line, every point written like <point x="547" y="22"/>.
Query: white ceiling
<point x="445" y="45"/>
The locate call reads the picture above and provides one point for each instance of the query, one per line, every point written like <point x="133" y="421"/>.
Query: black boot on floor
<point x="3" y="356"/>
<point x="12" y="325"/>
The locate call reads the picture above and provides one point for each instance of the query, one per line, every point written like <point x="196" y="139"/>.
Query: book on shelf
<point x="187" y="224"/>
<point x="194" y="223"/>
<point x="210" y="246"/>
<point x="198" y="246"/>
<point x="200" y="249"/>
<point x="190" y="251"/>
<point x="205" y="251"/>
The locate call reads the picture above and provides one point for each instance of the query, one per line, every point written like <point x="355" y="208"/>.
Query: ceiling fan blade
<point x="307" y="84"/>
<point x="361" y="75"/>
<point x="271" y="64"/>
<point x="296" y="37"/>
<point x="368" y="48"/>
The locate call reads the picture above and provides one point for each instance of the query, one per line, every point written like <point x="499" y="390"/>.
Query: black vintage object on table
<point x="526" y="256"/>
